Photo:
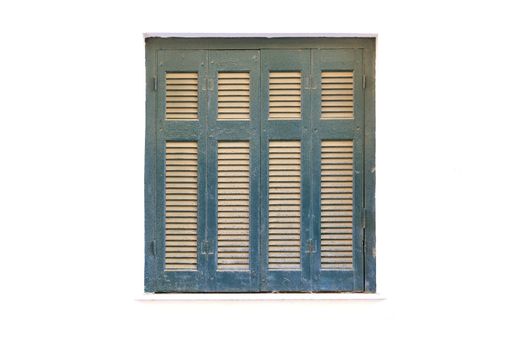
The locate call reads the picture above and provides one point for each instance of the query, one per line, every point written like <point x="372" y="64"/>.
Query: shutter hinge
<point x="154" y="83"/>
<point x="310" y="246"/>
<point x="154" y="248"/>
<point x="363" y="219"/>
<point x="206" y="248"/>
<point x="209" y="84"/>
<point x="364" y="81"/>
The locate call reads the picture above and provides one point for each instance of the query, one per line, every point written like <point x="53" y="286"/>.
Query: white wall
<point x="450" y="171"/>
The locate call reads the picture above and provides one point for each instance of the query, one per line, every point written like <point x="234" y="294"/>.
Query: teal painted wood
<point x="369" y="59"/>
<point x="192" y="54"/>
<point x="286" y="130"/>
<point x="225" y="130"/>
<point x="150" y="272"/>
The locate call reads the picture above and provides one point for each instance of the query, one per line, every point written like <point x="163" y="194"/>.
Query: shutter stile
<point x="284" y="214"/>
<point x="182" y="96"/>
<point x="233" y="206"/>
<point x="337" y="95"/>
<point x="336" y="205"/>
<point x="181" y="205"/>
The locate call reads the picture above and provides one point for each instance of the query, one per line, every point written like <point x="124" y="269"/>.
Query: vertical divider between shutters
<point x="316" y="165"/>
<point x="369" y="168"/>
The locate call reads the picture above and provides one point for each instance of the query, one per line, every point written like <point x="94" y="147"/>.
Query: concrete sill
<point x="258" y="296"/>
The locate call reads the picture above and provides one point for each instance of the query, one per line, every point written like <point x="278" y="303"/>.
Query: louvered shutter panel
<point x="233" y="96"/>
<point x="336" y="204"/>
<point x="285" y="95"/>
<point x="337" y="174"/>
<point x="286" y="198"/>
<point x="233" y="206"/>
<point x="182" y="96"/>
<point x="284" y="227"/>
<point x="233" y="167"/>
<point x="180" y="170"/>
<point x="181" y="205"/>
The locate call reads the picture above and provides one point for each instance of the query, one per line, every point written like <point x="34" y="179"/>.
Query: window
<point x="260" y="165"/>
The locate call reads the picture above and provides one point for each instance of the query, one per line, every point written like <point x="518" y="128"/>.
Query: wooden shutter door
<point x="234" y="172"/>
<point x="337" y="153"/>
<point x="180" y="170"/>
<point x="286" y="190"/>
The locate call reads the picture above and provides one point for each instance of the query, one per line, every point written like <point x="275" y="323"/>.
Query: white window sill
<point x="257" y="296"/>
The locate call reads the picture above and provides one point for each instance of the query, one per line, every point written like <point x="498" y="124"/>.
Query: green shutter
<point x="258" y="176"/>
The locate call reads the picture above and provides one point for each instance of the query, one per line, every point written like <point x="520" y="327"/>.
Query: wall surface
<point x="450" y="186"/>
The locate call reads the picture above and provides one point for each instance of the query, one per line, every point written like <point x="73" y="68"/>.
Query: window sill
<point x="258" y="296"/>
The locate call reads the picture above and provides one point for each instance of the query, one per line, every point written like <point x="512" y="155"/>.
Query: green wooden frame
<point x="156" y="128"/>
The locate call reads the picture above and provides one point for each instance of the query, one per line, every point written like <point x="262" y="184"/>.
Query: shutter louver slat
<point x="337" y="95"/>
<point x="233" y="96"/>
<point x="285" y="95"/>
<point x="284" y="214"/>
<point x="181" y="206"/>
<point x="182" y="96"/>
<point x="336" y="205"/>
<point x="233" y="206"/>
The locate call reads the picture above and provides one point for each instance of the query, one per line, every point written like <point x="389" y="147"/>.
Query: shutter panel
<point x="284" y="237"/>
<point x="233" y="139"/>
<point x="337" y="173"/>
<point x="180" y="226"/>
<point x="286" y="195"/>
<point x="233" y="206"/>
<point x="181" y="205"/>
<point x="234" y="96"/>
<point x="337" y="95"/>
<point x="285" y="95"/>
<point x="182" y="96"/>
<point x="336" y="204"/>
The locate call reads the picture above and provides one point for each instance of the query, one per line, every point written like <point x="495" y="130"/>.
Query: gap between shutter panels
<point x="336" y="205"/>
<point x="337" y="89"/>
<point x="285" y="95"/>
<point x="182" y="94"/>
<point x="181" y="205"/>
<point x="233" y="234"/>
<point x="233" y="96"/>
<point x="284" y="209"/>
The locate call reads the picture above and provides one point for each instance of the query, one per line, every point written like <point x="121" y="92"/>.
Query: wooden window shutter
<point x="256" y="167"/>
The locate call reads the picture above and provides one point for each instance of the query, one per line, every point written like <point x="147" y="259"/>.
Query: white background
<point x="450" y="179"/>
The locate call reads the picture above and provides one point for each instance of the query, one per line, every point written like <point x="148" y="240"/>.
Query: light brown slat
<point x="233" y="96"/>
<point x="336" y="205"/>
<point x="233" y="205"/>
<point x="337" y="91"/>
<point x="285" y="95"/>
<point x="337" y="74"/>
<point x="181" y="205"/>
<point x="284" y="232"/>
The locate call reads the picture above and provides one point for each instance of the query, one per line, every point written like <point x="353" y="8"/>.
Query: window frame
<point x="156" y="44"/>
